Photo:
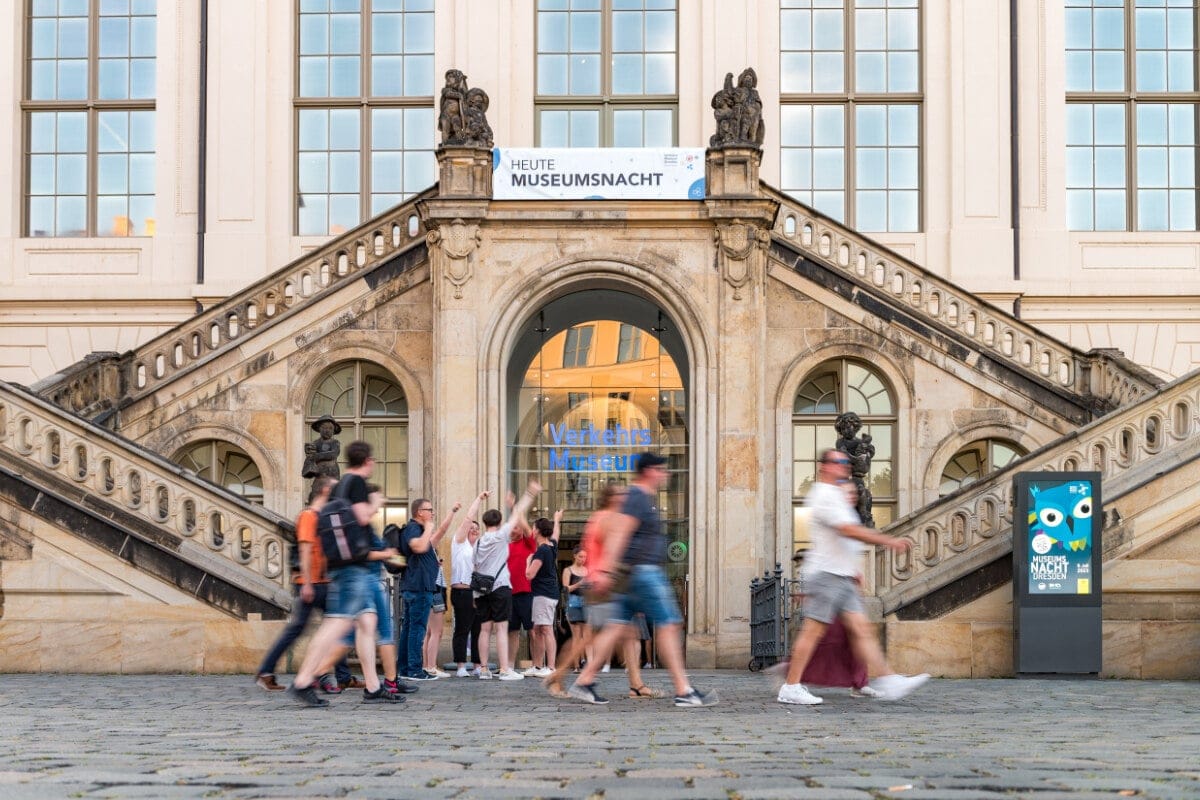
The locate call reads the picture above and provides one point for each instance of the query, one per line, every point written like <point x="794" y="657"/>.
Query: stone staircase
<point x="949" y="317"/>
<point x="102" y="382"/>
<point x="142" y="508"/>
<point x="963" y="542"/>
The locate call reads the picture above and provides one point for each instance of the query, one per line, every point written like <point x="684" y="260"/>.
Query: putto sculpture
<point x="462" y="117"/>
<point x="738" y="111"/>
<point x="860" y="451"/>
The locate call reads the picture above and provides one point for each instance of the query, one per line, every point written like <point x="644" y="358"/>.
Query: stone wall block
<point x="943" y="649"/>
<point x="1169" y="650"/>
<point x="1121" y="644"/>
<point x="21" y="647"/>
<point x="991" y="650"/>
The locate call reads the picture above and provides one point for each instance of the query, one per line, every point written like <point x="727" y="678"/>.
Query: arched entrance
<point x="595" y="377"/>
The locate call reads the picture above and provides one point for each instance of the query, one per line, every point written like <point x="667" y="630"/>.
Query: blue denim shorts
<point x="385" y="633"/>
<point x="650" y="593"/>
<point x="351" y="591"/>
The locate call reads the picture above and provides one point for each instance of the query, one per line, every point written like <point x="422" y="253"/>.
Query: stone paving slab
<point x="219" y="736"/>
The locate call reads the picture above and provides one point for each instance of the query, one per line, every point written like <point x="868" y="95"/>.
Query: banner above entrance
<point x="598" y="173"/>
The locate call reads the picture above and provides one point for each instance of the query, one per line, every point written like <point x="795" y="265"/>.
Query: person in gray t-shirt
<point x="491" y="559"/>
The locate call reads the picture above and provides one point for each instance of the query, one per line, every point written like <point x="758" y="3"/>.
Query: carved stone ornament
<point x="738" y="111"/>
<point x="736" y="243"/>
<point x="462" y="116"/>
<point x="456" y="241"/>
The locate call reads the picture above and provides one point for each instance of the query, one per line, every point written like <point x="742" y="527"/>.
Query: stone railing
<point x="84" y="388"/>
<point x="972" y="527"/>
<point x="1101" y="374"/>
<point x="201" y="523"/>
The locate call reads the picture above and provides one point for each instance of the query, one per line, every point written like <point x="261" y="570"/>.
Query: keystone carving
<point x="456" y="243"/>
<point x="736" y="246"/>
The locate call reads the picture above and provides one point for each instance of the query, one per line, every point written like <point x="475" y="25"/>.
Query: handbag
<point x="482" y="583"/>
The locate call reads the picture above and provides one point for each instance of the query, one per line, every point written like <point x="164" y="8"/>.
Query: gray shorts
<point x="827" y="596"/>
<point x="598" y="614"/>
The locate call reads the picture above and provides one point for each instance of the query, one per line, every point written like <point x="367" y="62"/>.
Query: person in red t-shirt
<point x="522" y="545"/>
<point x="311" y="584"/>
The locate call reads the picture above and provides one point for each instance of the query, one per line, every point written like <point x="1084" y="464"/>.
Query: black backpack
<point x="343" y="540"/>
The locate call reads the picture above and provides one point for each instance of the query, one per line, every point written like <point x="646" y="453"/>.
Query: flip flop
<point x="645" y="693"/>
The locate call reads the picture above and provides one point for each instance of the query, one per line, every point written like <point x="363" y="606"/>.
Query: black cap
<point x="648" y="459"/>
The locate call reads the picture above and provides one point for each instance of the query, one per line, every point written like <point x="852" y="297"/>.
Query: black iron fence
<point x="774" y="615"/>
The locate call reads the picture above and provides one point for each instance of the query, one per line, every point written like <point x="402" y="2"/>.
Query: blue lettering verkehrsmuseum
<point x="590" y="436"/>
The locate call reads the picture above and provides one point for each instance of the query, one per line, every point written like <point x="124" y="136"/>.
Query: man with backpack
<point x="418" y="543"/>
<point x="312" y="587"/>
<point x="344" y="530"/>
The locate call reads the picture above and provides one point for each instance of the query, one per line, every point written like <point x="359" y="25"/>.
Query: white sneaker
<point x="463" y="672"/>
<point x="896" y="687"/>
<point x="485" y="674"/>
<point x="795" y="694"/>
<point x="511" y="675"/>
<point x="532" y="672"/>
<point x="474" y="673"/>
<point x="545" y="672"/>
<point x="438" y="673"/>
<point x="604" y="668"/>
<point x="865" y="691"/>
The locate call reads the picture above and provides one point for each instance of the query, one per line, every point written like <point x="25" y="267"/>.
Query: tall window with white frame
<point x="89" y="117"/>
<point x="833" y="388"/>
<point x="606" y="73"/>
<point x="364" y="109"/>
<point x="1131" y="115"/>
<point x="850" y="119"/>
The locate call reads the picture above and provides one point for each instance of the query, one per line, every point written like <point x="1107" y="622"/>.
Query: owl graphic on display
<point x="1063" y="514"/>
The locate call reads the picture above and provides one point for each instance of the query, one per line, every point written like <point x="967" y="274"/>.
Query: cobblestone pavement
<point x="219" y="736"/>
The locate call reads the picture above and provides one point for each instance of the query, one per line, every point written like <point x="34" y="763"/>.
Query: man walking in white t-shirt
<point x="831" y="586"/>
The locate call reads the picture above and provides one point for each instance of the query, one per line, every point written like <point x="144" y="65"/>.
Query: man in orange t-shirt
<point x="311" y="583"/>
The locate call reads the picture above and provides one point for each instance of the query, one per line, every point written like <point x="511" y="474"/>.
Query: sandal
<point x="645" y="693"/>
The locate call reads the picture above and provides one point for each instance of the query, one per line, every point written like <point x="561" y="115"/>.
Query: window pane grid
<point x="614" y="56"/>
<point x="1131" y="115"/>
<point x="861" y="137"/>
<point x="89" y="121"/>
<point x="364" y="70"/>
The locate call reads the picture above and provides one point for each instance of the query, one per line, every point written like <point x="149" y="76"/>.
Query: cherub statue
<point x="738" y="110"/>
<point x="452" y="120"/>
<point x="860" y="451"/>
<point x="749" y="107"/>
<point x="321" y="455"/>
<point x="478" y="131"/>
<point x="726" y="116"/>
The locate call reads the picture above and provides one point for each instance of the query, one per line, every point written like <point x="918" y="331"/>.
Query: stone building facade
<point x="461" y="334"/>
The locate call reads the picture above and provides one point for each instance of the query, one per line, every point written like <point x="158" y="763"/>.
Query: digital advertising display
<point x="1059" y="537"/>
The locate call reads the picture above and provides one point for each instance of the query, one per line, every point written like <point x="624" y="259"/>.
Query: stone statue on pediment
<point x="462" y="116"/>
<point x="738" y="112"/>
<point x="321" y="454"/>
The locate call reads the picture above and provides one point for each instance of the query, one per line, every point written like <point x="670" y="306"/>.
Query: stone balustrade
<point x="200" y="522"/>
<point x="1102" y="374"/>
<point x="86" y="388"/>
<point x="973" y="526"/>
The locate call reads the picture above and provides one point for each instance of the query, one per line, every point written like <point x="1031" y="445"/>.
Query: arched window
<point x="370" y="405"/>
<point x="831" y="389"/>
<point x="979" y="458"/>
<point x="224" y="464"/>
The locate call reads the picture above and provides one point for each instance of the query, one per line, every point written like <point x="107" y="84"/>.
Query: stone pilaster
<point x="744" y="534"/>
<point x="455" y="220"/>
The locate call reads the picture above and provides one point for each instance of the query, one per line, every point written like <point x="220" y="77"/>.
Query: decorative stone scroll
<point x="737" y="243"/>
<point x="738" y="111"/>
<point x="462" y="118"/>
<point x="452" y="245"/>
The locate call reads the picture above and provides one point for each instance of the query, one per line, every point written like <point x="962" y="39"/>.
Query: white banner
<point x="598" y="173"/>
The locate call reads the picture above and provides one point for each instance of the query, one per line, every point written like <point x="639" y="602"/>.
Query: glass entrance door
<point x="593" y="396"/>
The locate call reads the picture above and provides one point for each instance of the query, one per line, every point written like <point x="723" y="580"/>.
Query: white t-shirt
<point x="831" y="552"/>
<point x="462" y="562"/>
<point x="491" y="555"/>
